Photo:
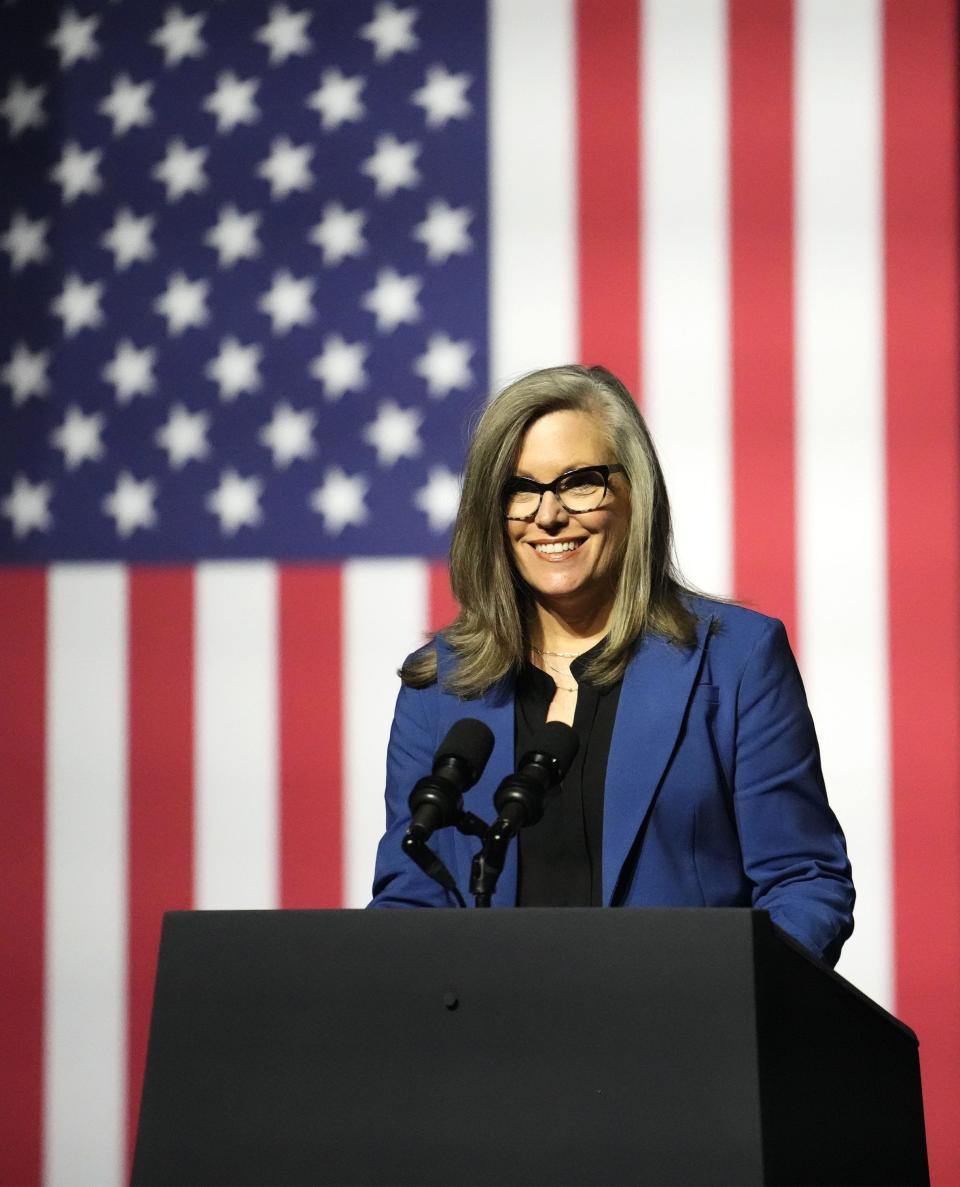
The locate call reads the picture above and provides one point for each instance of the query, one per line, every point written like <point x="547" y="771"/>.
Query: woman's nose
<point x="551" y="511"/>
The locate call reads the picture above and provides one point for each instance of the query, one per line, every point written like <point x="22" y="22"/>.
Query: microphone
<point x="520" y="800"/>
<point x="437" y="799"/>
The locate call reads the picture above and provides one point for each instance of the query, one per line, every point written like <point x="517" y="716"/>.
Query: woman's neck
<point x="568" y="628"/>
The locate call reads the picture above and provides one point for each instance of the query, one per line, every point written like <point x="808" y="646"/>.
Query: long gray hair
<point x="490" y="636"/>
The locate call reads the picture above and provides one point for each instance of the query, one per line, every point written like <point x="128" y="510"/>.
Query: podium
<point x="536" y="1046"/>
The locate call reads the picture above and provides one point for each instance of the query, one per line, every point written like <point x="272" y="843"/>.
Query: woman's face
<point x="584" y="573"/>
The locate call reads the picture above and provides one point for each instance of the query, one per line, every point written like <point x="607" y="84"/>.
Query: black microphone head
<point x="470" y="741"/>
<point x="556" y="742"/>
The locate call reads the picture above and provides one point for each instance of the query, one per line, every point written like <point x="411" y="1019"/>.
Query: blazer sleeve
<point x="397" y="881"/>
<point x="793" y="848"/>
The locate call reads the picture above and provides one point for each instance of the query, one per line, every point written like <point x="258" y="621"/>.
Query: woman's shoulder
<point x="731" y="627"/>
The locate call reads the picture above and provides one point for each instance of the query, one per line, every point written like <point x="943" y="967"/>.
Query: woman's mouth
<point x="556" y="548"/>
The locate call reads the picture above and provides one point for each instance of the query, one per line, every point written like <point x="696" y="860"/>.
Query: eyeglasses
<point x="577" y="491"/>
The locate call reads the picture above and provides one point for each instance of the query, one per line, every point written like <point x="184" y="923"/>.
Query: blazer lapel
<point x="656" y="687"/>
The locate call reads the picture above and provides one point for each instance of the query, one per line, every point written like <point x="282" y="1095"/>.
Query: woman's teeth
<point x="565" y="546"/>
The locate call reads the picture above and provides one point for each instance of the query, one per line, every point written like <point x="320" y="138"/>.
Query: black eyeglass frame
<point x="530" y="485"/>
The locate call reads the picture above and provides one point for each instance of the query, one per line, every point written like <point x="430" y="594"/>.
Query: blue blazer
<point x="713" y="797"/>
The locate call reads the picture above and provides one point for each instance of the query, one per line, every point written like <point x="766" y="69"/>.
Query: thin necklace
<point x="559" y="671"/>
<point x="558" y="654"/>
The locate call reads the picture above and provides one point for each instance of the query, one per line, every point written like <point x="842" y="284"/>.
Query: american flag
<point x="261" y="262"/>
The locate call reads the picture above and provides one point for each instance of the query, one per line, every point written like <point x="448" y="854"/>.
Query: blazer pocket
<point x="707" y="694"/>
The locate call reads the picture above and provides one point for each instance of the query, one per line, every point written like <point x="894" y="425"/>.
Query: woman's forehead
<point x="560" y="441"/>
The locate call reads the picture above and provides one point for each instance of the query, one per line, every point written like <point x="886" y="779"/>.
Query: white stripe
<point x="533" y="261"/>
<point x="236" y="736"/>
<point x="842" y="563"/>
<point x="86" y="873"/>
<point x="385" y="618"/>
<point x="684" y="256"/>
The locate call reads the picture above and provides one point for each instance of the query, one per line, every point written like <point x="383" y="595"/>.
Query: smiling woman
<point x="697" y="779"/>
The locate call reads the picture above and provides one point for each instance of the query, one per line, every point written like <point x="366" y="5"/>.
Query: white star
<point x="130" y="371"/>
<point x="232" y="102"/>
<point x="128" y="104"/>
<point x="235" y="236"/>
<point x="22" y="107"/>
<point x="179" y="36"/>
<point x="443" y="96"/>
<point x="234" y="369"/>
<point x="73" y="38"/>
<point x="340" y="367"/>
<point x="391" y="31"/>
<point x="339" y="233"/>
<point x="77" y="171"/>
<point x="26" y="373"/>
<point x="289" y="435"/>
<point x="183" y="303"/>
<point x="235" y="502"/>
<point x="439" y="499"/>
<point x="24" y="241"/>
<point x="393" y="300"/>
<point x="392" y="165"/>
<point x="78" y="304"/>
<point x="337" y="99"/>
<point x="340" y="500"/>
<point x="78" y="436"/>
<point x="287" y="168"/>
<point x="181" y="170"/>
<point x="394" y="433"/>
<point x="130" y="504"/>
<point x="288" y="301"/>
<point x="444" y="231"/>
<point x="129" y="238"/>
<point x="445" y="365"/>
<point x="27" y="506"/>
<point x="285" y="33"/>
<point x="184" y="436"/>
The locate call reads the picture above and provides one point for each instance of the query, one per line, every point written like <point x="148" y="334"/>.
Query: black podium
<point x="517" y="1047"/>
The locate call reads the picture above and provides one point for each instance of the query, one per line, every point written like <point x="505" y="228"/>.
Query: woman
<point x="697" y="781"/>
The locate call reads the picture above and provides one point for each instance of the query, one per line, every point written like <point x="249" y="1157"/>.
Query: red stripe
<point x="311" y="737"/>
<point x="443" y="607"/>
<point x="608" y="170"/>
<point x="761" y="300"/>
<point x="160" y="871"/>
<point x="22" y="696"/>
<point x="923" y="517"/>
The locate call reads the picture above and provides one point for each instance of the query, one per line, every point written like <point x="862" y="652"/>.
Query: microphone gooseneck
<point x="520" y="800"/>
<point x="437" y="799"/>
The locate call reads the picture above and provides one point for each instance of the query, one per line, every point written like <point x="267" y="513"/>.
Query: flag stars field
<point x="391" y="31"/>
<point x="236" y="502"/>
<point x="78" y="171"/>
<point x="235" y="368"/>
<point x="337" y="99"/>
<point x="25" y="373"/>
<point x="79" y="437"/>
<point x="234" y="235"/>
<point x="27" y="506"/>
<point x="184" y="436"/>
<point x="443" y="96"/>
<point x="339" y="233"/>
<point x="233" y="101"/>
<point x="25" y="240"/>
<point x="130" y="504"/>
<point x="392" y="165"/>
<point x="22" y="107"/>
<point x="340" y="368"/>
<point x="179" y="37"/>
<point x="128" y="104"/>
<point x="130" y="371"/>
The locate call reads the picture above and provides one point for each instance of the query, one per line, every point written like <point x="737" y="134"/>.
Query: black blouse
<point x="559" y="857"/>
